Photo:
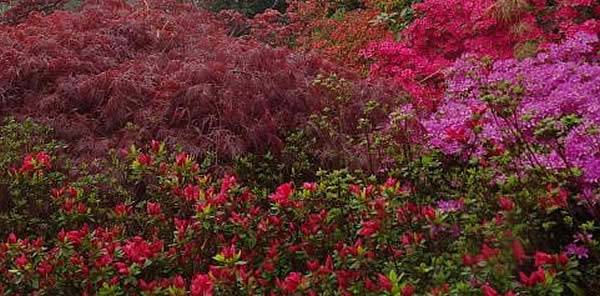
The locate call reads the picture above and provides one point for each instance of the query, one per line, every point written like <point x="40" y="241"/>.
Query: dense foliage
<point x="163" y="227"/>
<point x="156" y="148"/>
<point x="167" y="71"/>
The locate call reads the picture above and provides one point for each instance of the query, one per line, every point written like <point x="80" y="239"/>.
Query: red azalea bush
<point x="163" y="227"/>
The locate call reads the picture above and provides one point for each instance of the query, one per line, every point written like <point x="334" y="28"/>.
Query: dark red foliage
<point x="168" y="69"/>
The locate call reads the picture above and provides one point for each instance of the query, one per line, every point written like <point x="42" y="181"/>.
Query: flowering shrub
<point x="543" y="111"/>
<point x="445" y="30"/>
<point x="339" y="186"/>
<point x="166" y="228"/>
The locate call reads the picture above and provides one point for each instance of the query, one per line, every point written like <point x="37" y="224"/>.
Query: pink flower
<point x="181" y="159"/>
<point x="312" y="186"/>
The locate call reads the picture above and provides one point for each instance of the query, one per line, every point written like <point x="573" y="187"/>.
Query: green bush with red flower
<point x="155" y="222"/>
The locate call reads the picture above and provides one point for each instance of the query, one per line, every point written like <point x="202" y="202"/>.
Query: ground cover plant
<point x="157" y="148"/>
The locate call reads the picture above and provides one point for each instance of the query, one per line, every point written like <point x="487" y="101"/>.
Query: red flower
<point x="428" y="212"/>
<point x="122" y="268"/>
<point x="179" y="282"/>
<point x="227" y="183"/>
<point x="12" y="238"/>
<point x="103" y="261"/>
<point x="21" y="261"/>
<point x="384" y="283"/>
<point x="81" y="208"/>
<point x="153" y="208"/>
<point x="144" y="159"/>
<point x="487" y="252"/>
<point x="72" y="192"/>
<point x="31" y="162"/>
<point x="562" y="259"/>
<point x="369" y="228"/>
<point x="282" y="195"/>
<point x="313" y="265"/>
<point x="556" y="197"/>
<point x="390" y="183"/>
<point x="506" y="203"/>
<point x="542" y="258"/>
<point x="28" y="164"/>
<point x="191" y="192"/>
<point x="291" y="282"/>
<point x="44" y="268"/>
<point x="201" y="286"/>
<point x="138" y="250"/>
<point x="43" y="159"/>
<point x="155" y="146"/>
<point x="487" y="290"/>
<point x="408" y="290"/>
<point x="518" y="251"/>
<point x="355" y="189"/>
<point x="458" y="134"/>
<point x="535" y="278"/>
<point x="469" y="260"/>
<point x="230" y="252"/>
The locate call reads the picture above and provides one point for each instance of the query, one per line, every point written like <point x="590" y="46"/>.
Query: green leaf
<point x="575" y="289"/>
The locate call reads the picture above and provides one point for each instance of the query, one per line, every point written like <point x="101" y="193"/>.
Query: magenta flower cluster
<point x="550" y="103"/>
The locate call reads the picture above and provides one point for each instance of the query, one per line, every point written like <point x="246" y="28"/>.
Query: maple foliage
<point x="335" y="29"/>
<point x="122" y="71"/>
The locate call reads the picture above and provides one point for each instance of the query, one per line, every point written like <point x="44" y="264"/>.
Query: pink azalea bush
<point x="445" y="30"/>
<point x="547" y="105"/>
